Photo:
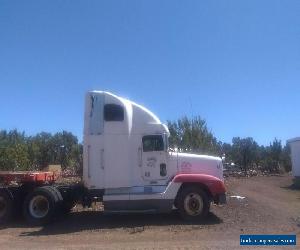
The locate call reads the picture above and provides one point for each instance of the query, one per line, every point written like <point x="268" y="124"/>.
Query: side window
<point x="113" y="112"/>
<point x="153" y="143"/>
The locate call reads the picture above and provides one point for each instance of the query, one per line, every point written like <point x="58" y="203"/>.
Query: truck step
<point x="146" y="211"/>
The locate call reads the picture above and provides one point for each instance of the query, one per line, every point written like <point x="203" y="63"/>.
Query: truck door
<point x="116" y="161"/>
<point x="154" y="158"/>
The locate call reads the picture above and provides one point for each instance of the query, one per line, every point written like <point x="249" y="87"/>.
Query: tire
<point x="40" y="206"/>
<point x="6" y="206"/>
<point x="193" y="203"/>
<point x="59" y="198"/>
<point x="64" y="206"/>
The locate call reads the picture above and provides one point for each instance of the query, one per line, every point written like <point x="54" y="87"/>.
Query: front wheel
<point x="193" y="203"/>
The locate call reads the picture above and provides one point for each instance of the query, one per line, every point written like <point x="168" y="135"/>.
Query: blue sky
<point x="234" y="63"/>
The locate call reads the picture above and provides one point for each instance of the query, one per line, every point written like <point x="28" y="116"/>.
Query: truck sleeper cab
<point x="126" y="158"/>
<point x="127" y="165"/>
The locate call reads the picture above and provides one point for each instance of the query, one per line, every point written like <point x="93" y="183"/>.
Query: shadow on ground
<point x="291" y="187"/>
<point x="95" y="220"/>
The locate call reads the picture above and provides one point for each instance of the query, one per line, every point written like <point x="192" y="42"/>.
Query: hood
<point x="198" y="164"/>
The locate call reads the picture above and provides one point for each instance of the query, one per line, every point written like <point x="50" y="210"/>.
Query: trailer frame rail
<point x="39" y="177"/>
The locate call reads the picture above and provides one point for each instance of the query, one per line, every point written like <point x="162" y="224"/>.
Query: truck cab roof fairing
<point x="139" y="119"/>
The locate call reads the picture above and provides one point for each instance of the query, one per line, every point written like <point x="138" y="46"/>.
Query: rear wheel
<point x="40" y="206"/>
<point x="65" y="205"/>
<point x="193" y="203"/>
<point x="6" y="206"/>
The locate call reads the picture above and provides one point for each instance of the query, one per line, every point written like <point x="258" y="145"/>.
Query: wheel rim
<point x="3" y="207"/>
<point x="39" y="206"/>
<point x="193" y="204"/>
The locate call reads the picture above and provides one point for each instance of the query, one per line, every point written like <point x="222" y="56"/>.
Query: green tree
<point x="62" y="146"/>
<point x="42" y="142"/>
<point x="244" y="152"/>
<point x="19" y="152"/>
<point x="192" y="135"/>
<point x="286" y="158"/>
<point x="227" y="151"/>
<point x="271" y="158"/>
<point x="13" y="151"/>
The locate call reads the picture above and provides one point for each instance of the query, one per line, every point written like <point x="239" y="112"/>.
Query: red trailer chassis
<point x="8" y="178"/>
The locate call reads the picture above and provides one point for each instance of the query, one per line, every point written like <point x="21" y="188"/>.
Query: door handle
<point x="163" y="169"/>
<point x="88" y="161"/>
<point x="102" y="158"/>
<point x="140" y="156"/>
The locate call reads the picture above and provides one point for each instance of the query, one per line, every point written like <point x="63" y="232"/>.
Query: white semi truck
<point x="127" y="165"/>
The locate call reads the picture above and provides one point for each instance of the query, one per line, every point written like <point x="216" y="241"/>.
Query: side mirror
<point x="166" y="142"/>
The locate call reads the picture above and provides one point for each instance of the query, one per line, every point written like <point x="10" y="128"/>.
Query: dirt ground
<point x="271" y="206"/>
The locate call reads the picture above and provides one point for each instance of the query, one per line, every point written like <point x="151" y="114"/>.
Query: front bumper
<point x="220" y="199"/>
